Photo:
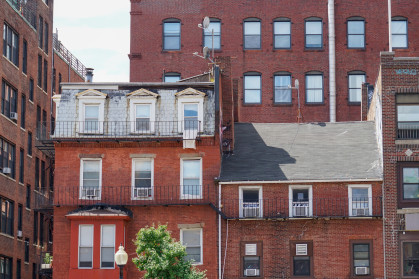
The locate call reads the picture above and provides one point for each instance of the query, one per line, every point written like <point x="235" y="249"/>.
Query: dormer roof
<point x="142" y="93"/>
<point x="91" y="93"/>
<point x="190" y="92"/>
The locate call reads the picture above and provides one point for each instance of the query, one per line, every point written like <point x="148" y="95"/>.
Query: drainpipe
<point x="332" y="61"/>
<point x="390" y="45"/>
<point x="219" y="231"/>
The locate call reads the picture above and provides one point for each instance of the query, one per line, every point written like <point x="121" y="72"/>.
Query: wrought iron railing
<point x="27" y="8"/>
<point x="408" y="130"/>
<point x="43" y="200"/>
<point x="282" y="208"/>
<point x="70" y="130"/>
<point x="68" y="56"/>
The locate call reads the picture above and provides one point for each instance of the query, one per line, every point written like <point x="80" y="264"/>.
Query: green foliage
<point x="162" y="257"/>
<point x="47" y="258"/>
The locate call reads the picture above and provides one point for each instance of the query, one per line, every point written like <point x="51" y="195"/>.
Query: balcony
<point x="316" y="208"/>
<point x="43" y="201"/>
<point x="68" y="56"/>
<point x="27" y="8"/>
<point x="131" y="196"/>
<point x="121" y="130"/>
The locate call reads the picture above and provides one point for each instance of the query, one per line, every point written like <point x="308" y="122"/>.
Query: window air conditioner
<point x="142" y="192"/>
<point x="7" y="170"/>
<point x="361" y="212"/>
<point x="361" y="270"/>
<point x="250" y="212"/>
<point x="19" y="233"/>
<point x="300" y="211"/>
<point x="13" y="115"/>
<point x="251" y="272"/>
<point x="91" y="193"/>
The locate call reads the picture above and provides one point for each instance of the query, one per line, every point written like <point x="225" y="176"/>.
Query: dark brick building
<point x="29" y="58"/>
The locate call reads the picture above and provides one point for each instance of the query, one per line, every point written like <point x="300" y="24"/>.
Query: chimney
<point x="89" y="74"/>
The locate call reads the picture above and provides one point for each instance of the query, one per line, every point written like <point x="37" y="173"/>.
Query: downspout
<point x="219" y="232"/>
<point x="390" y="45"/>
<point x="332" y="61"/>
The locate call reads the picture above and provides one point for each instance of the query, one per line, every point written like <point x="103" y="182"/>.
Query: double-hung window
<point x="107" y="246"/>
<point x="11" y="44"/>
<point x="191" y="178"/>
<point x="313" y="33"/>
<point x="91" y="118"/>
<point x="90" y="178"/>
<point x="282" y="86"/>
<point x="407" y="116"/>
<point x="302" y="258"/>
<point x="85" y="246"/>
<point x="251" y="256"/>
<point x="91" y="111"/>
<point x="252" y="33"/>
<point x="142" y="178"/>
<point x="301" y="201"/>
<point x="361" y="257"/>
<point x="39" y="71"/>
<point x="41" y="32"/>
<point x="408" y="184"/>
<point x="6" y="267"/>
<point x="190" y="113"/>
<point x="213" y="30"/>
<point x="7" y="216"/>
<point x="355" y="81"/>
<point x="410" y="251"/>
<point x="251" y="202"/>
<point x="399" y="37"/>
<point x="142" y="111"/>
<point x="142" y="118"/>
<point x="252" y="88"/>
<point x="314" y="87"/>
<point x="25" y="57"/>
<point x="282" y="33"/>
<point x="356" y="33"/>
<point x="26" y="250"/>
<point x="8" y="101"/>
<point x="7" y="158"/>
<point x="192" y="240"/>
<point x="360" y="200"/>
<point x="171" y="34"/>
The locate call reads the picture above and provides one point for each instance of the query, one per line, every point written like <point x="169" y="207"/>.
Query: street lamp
<point x="121" y="258"/>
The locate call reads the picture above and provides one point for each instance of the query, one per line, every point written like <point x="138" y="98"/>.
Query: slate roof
<point x="313" y="151"/>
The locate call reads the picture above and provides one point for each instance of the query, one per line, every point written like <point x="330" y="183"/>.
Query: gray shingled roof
<point x="318" y="151"/>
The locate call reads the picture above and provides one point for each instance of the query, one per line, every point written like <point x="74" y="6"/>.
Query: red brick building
<point x="394" y="107"/>
<point x="26" y="168"/>
<point x="273" y="43"/>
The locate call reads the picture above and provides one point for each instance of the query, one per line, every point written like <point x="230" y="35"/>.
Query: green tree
<point x="162" y="257"/>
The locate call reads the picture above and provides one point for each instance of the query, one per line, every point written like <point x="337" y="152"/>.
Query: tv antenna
<point x="205" y="50"/>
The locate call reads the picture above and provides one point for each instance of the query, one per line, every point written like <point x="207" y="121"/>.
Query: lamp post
<point x="121" y="258"/>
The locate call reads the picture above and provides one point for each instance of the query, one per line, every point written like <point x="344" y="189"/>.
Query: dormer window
<point x="142" y="111"/>
<point x="91" y="111"/>
<point x="190" y="112"/>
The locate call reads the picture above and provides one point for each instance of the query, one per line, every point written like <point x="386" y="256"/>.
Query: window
<point x="31" y="90"/>
<point x="282" y="87"/>
<point x="7" y="158"/>
<point x="408" y="184"/>
<point x="45" y="85"/>
<point x="7" y="216"/>
<point x="25" y="57"/>
<point x="252" y="88"/>
<point x="142" y="178"/>
<point x="251" y="36"/>
<point x="46" y="37"/>
<point x="6" y="267"/>
<point x="41" y="32"/>
<point x="360" y="200"/>
<point x="8" y="101"/>
<point x="107" y="246"/>
<point x="251" y="259"/>
<point x="28" y="196"/>
<point x="313" y="33"/>
<point x="90" y="178"/>
<point x="19" y="218"/>
<point x="11" y="44"/>
<point x="410" y="251"/>
<point x="215" y="25"/>
<point x="18" y="269"/>
<point x="355" y="81"/>
<point x="91" y="118"/>
<point x="37" y="173"/>
<point x="301" y="257"/>
<point x="39" y="70"/>
<point x="23" y="111"/>
<point x="34" y="271"/>
<point x="301" y="201"/>
<point x="43" y="170"/>
<point x="282" y="33"/>
<point x="191" y="178"/>
<point x="251" y="202"/>
<point x="35" y="227"/>
<point x="171" y="77"/>
<point x="29" y="143"/>
<point x="38" y="122"/>
<point x="356" y="33"/>
<point x="407" y="116"/>
<point x="190" y="113"/>
<point x="142" y="111"/>
<point x="59" y="83"/>
<point x="399" y="32"/>
<point x="361" y="257"/>
<point x="91" y="111"/>
<point x="192" y="239"/>
<point x="314" y="88"/>
<point x="171" y="34"/>
<point x="21" y="165"/>
<point x="85" y="246"/>
<point x="54" y="80"/>
<point x="26" y="250"/>
<point x="41" y="229"/>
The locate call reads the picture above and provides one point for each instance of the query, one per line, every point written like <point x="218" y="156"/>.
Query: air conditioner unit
<point x="300" y="211"/>
<point x="250" y="212"/>
<point x="251" y="272"/>
<point x="19" y="233"/>
<point x="361" y="270"/>
<point x="7" y="170"/>
<point x="361" y="212"/>
<point x="91" y="193"/>
<point x="13" y="115"/>
<point x="142" y="192"/>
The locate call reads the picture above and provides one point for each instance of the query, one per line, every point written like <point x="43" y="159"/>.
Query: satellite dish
<point x="205" y="52"/>
<point x="206" y="22"/>
<point x="297" y="83"/>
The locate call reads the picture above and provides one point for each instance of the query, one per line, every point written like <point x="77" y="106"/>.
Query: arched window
<point x="399" y="32"/>
<point x="355" y="81"/>
<point x="313" y="32"/>
<point x="252" y="82"/>
<point x="314" y="87"/>
<point x="171" y="34"/>
<point x="215" y="25"/>
<point x="282" y="88"/>
<point x="252" y="33"/>
<point x="282" y="33"/>
<point x="356" y="32"/>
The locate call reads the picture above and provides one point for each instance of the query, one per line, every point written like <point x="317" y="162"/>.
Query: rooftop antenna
<point x="205" y="51"/>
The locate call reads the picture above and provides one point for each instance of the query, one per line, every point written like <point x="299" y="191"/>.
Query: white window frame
<point x="143" y="101"/>
<point x="360" y="186"/>
<point x="186" y="100"/>
<point x="93" y="244"/>
<point x="241" y="188"/>
<point x="201" y="242"/>
<point x="355" y="74"/>
<point x="187" y="196"/>
<point x="101" y="245"/>
<point x="134" y="161"/>
<point x="310" y="199"/>
<point x="81" y="196"/>
<point x="91" y="101"/>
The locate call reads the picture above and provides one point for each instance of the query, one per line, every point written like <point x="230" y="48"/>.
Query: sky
<point x="97" y="33"/>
